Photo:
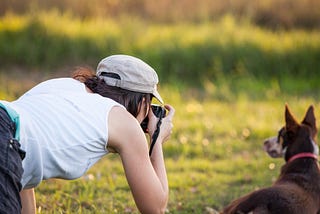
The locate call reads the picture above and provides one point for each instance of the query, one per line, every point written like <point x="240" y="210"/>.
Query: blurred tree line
<point x="274" y="14"/>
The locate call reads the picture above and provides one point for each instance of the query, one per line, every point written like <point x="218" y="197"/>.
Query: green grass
<point x="228" y="82"/>
<point x="214" y="155"/>
<point x="195" y="51"/>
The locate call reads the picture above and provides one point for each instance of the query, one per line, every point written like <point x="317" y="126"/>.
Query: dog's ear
<point x="291" y="122"/>
<point x="310" y="120"/>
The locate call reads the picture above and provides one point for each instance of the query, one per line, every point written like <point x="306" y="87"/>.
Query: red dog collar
<point x="303" y="155"/>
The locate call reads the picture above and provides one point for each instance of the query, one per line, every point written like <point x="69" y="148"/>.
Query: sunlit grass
<point x="215" y="152"/>
<point x="214" y="155"/>
<point x="194" y="51"/>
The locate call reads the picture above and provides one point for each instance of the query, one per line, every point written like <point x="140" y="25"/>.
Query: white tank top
<point x="63" y="130"/>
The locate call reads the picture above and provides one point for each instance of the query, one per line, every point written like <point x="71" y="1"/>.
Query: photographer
<point x="66" y="125"/>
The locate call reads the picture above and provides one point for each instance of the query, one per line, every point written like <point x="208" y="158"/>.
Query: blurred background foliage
<point x="268" y="13"/>
<point x="188" y="42"/>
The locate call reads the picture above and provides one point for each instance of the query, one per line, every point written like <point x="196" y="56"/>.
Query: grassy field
<point x="214" y="155"/>
<point x="228" y="82"/>
<point x="196" y="51"/>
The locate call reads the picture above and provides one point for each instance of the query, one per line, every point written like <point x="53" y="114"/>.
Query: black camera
<point x="158" y="111"/>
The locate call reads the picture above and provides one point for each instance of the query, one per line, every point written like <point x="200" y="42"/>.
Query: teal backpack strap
<point x="14" y="116"/>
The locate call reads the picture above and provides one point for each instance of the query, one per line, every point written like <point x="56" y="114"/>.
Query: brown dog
<point x="297" y="190"/>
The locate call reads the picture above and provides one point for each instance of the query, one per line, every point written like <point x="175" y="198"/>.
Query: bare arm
<point x="28" y="201"/>
<point x="147" y="178"/>
<point x="157" y="158"/>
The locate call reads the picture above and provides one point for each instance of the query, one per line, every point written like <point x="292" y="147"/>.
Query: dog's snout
<point x="267" y="143"/>
<point x="270" y="140"/>
<point x="273" y="153"/>
<point x="271" y="146"/>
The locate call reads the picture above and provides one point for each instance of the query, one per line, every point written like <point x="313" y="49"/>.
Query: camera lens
<point x="158" y="111"/>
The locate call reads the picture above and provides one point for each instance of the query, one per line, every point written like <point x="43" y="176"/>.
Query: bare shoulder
<point x="124" y="129"/>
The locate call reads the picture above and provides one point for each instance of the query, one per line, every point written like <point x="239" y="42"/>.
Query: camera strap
<point x="155" y="134"/>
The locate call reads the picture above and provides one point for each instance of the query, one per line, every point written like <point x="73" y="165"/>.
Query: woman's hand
<point x="166" y="125"/>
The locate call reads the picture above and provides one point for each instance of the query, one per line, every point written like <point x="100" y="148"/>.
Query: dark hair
<point x="131" y="100"/>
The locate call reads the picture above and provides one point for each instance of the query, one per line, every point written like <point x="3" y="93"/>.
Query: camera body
<point x="158" y="111"/>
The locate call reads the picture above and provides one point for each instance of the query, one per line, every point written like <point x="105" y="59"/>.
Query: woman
<point x="66" y="125"/>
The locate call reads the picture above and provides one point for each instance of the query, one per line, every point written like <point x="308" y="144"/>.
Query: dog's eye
<point x="280" y="140"/>
<point x="281" y="135"/>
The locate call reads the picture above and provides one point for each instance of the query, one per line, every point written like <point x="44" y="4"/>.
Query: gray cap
<point x="129" y="73"/>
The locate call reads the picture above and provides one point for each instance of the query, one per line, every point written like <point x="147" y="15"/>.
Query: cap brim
<point x="158" y="97"/>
